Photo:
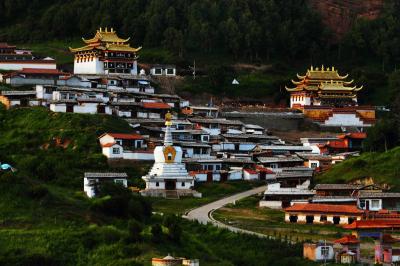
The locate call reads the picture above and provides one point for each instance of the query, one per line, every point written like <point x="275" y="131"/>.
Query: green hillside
<point x="383" y="167"/>
<point x="46" y="219"/>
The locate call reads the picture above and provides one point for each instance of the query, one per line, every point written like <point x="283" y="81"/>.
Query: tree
<point x="156" y="233"/>
<point x="134" y="230"/>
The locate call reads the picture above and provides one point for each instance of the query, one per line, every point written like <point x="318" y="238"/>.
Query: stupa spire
<point x="168" y="135"/>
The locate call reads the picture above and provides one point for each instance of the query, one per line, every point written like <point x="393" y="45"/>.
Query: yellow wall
<point x="5" y="101"/>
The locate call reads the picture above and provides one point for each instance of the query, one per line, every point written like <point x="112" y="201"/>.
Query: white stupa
<point x="168" y="177"/>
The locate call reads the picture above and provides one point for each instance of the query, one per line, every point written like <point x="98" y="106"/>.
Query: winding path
<point x="203" y="214"/>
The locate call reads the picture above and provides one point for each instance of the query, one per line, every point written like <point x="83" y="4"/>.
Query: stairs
<point x="171" y="194"/>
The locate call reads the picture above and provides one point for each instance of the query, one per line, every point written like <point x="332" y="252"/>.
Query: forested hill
<point x="244" y="29"/>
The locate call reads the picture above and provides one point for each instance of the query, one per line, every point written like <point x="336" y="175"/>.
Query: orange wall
<point x="318" y="113"/>
<point x="309" y="251"/>
<point x="367" y="113"/>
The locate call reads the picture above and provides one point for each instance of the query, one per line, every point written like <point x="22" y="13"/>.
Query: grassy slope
<point x="382" y="167"/>
<point x="45" y="218"/>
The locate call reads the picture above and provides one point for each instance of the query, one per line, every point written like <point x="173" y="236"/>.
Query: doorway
<point x="170" y="184"/>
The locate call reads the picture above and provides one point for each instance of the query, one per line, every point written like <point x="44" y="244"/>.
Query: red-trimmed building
<point x="329" y="99"/>
<point x="105" y="53"/>
<point x="125" y="146"/>
<point x="322" y="214"/>
<point x="350" y="252"/>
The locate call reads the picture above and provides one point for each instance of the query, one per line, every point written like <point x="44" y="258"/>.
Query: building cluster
<point x="329" y="99"/>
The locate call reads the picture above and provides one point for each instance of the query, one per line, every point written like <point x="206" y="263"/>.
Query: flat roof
<point x="105" y="175"/>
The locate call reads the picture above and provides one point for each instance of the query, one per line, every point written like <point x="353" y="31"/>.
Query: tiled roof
<point x="215" y="121"/>
<point x="325" y="208"/>
<point x="367" y="194"/>
<point x="105" y="175"/>
<point x="337" y="186"/>
<point x="156" y="105"/>
<point x="276" y="159"/>
<point x="123" y="136"/>
<point x="15" y="93"/>
<point x="373" y="224"/>
<point x="337" y="144"/>
<point x="347" y="239"/>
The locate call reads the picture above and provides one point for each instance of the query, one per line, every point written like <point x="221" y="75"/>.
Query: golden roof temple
<point x="106" y="40"/>
<point x="323" y="86"/>
<point x="105" y="53"/>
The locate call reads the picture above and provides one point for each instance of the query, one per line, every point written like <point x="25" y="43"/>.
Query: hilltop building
<point x="105" y="53"/>
<point x="12" y="58"/>
<point x="168" y="176"/>
<point x="329" y="99"/>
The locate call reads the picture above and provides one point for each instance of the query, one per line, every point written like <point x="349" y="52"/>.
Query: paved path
<point x="203" y="214"/>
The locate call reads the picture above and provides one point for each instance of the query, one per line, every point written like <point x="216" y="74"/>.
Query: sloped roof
<point x="156" y="105"/>
<point x="347" y="239"/>
<point x="326" y="208"/>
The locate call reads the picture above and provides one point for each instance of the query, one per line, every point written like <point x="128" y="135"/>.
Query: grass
<point x="383" y="168"/>
<point x="247" y="215"/>
<point x="46" y="219"/>
<point x="210" y="192"/>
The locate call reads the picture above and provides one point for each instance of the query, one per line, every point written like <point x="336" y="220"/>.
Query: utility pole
<point x="194" y="69"/>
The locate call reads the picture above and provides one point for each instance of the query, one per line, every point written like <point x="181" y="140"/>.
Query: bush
<point x="134" y="231"/>
<point x="156" y="233"/>
<point x="38" y="192"/>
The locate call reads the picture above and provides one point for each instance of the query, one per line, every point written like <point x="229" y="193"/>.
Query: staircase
<point x="171" y="194"/>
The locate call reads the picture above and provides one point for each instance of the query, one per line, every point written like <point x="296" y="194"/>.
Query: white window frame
<point x="115" y="150"/>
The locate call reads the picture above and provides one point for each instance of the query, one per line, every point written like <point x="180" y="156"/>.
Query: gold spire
<point x="168" y="119"/>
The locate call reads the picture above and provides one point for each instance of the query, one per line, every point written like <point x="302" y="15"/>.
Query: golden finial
<point x="100" y="29"/>
<point x="322" y="68"/>
<point x="316" y="69"/>
<point x="327" y="69"/>
<point x="106" y="29"/>
<point x="333" y="68"/>
<point x="312" y="68"/>
<point x="168" y="119"/>
<point x="112" y="30"/>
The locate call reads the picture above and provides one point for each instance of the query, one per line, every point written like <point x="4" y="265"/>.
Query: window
<point x="314" y="165"/>
<point x="325" y="251"/>
<point x="210" y="167"/>
<point x="119" y="181"/>
<point x="138" y="144"/>
<point x="169" y="157"/>
<point x="119" y="142"/>
<point x="170" y="71"/>
<point x="158" y="71"/>
<point x="183" y="184"/>
<point x="217" y="167"/>
<point x="274" y="165"/>
<point x="362" y="204"/>
<point x="375" y="204"/>
<point x="205" y="138"/>
<point x="323" y="218"/>
<point x="115" y="150"/>
<point x="157" y="184"/>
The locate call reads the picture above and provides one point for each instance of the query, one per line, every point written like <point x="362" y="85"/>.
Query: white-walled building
<point x="163" y="70"/>
<point x="168" y="177"/>
<point x="92" y="181"/>
<point x="105" y="53"/>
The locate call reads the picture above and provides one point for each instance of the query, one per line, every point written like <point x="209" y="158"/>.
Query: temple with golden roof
<point x="105" y="53"/>
<point x="329" y="99"/>
<point x="323" y="87"/>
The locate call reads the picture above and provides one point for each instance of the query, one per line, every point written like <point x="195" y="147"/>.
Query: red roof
<point x="6" y="45"/>
<point x="326" y="208"/>
<point x="337" y="144"/>
<point x="123" y="136"/>
<point x="251" y="171"/>
<point x="373" y="224"/>
<point x="355" y="135"/>
<point x="347" y="239"/>
<point x="108" y="145"/>
<point x="263" y="169"/>
<point x="156" y="105"/>
<point x="40" y="71"/>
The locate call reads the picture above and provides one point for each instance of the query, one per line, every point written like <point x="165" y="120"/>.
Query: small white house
<point x="250" y="174"/>
<point x="125" y="146"/>
<point x="163" y="70"/>
<point x="92" y="180"/>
